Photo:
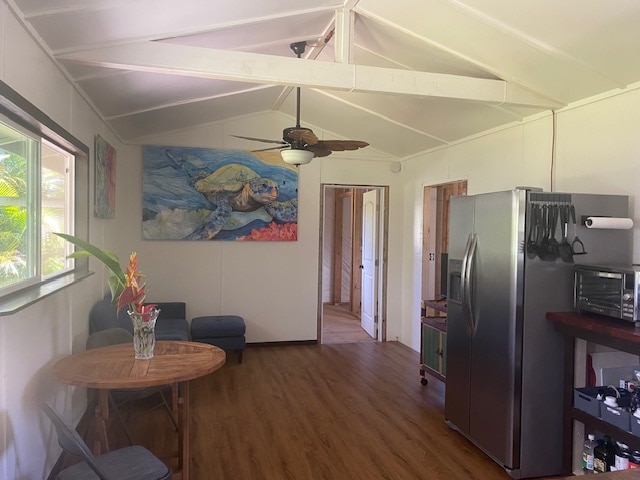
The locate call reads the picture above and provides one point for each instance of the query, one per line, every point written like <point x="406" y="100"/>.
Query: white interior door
<point x="369" y="262"/>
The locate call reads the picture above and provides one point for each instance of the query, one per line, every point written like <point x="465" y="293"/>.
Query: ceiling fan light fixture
<point x="295" y="156"/>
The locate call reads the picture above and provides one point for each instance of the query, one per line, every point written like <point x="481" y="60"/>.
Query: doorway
<point x="435" y="241"/>
<point x="354" y="222"/>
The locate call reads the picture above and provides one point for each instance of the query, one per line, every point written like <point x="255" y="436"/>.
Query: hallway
<point x="341" y="326"/>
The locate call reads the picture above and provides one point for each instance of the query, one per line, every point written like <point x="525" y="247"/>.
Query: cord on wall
<point x="553" y="150"/>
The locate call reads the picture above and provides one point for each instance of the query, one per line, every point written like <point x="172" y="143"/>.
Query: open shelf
<point x="609" y="332"/>
<point x="606" y="428"/>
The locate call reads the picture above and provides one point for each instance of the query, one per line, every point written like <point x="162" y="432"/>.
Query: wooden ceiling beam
<point x="344" y="26"/>
<point x="268" y="69"/>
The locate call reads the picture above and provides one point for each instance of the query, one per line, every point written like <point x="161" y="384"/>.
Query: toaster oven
<point x="608" y="290"/>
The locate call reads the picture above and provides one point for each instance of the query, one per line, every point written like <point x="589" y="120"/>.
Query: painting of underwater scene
<point x="212" y="194"/>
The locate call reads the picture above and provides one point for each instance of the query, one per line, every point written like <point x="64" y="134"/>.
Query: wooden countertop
<point x="611" y="332"/>
<point x="439" y="323"/>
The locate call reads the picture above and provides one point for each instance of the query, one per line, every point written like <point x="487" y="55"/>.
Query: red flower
<point x="134" y="289"/>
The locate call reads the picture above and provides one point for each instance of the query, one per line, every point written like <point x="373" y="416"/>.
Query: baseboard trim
<point x="291" y="343"/>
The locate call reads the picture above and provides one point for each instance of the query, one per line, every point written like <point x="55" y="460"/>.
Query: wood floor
<point x="339" y="325"/>
<point x="341" y="411"/>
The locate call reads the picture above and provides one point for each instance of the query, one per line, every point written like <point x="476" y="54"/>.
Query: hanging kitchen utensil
<point x="548" y="249"/>
<point x="553" y="243"/>
<point x="564" y="249"/>
<point x="544" y="248"/>
<point x="532" y="230"/>
<point x="541" y="236"/>
<point x="539" y="231"/>
<point x="577" y="247"/>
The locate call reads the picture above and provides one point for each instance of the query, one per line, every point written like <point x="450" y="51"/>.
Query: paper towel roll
<point x="612" y="223"/>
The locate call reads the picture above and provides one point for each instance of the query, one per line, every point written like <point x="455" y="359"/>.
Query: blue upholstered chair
<point x="171" y="324"/>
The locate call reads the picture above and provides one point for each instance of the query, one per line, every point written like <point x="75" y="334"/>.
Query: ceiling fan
<point x="299" y="145"/>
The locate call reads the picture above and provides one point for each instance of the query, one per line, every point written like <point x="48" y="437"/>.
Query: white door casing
<point x="369" y="264"/>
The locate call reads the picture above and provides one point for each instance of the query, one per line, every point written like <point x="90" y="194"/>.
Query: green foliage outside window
<point x="17" y="212"/>
<point x="13" y="218"/>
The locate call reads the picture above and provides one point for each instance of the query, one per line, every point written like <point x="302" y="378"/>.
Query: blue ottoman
<point x="223" y="331"/>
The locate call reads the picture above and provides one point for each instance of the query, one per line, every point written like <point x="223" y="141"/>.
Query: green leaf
<point x="116" y="287"/>
<point x="79" y="254"/>
<point x="107" y="257"/>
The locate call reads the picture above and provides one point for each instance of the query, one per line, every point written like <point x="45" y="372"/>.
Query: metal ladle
<point x="564" y="249"/>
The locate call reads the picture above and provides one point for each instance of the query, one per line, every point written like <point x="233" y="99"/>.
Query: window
<point x="43" y="189"/>
<point x="35" y="200"/>
<point x="56" y="208"/>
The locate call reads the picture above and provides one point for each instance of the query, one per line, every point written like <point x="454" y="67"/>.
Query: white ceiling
<point x="404" y="75"/>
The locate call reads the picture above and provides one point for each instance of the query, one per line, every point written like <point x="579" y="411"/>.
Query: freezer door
<point x="496" y="347"/>
<point x="458" y="341"/>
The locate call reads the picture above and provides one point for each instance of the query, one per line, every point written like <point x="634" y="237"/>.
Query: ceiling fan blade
<point x="318" y="150"/>
<point x="340" y="145"/>
<point x="270" y="148"/>
<point x="304" y="135"/>
<point x="264" y="140"/>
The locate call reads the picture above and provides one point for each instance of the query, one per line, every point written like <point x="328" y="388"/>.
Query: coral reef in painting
<point x="274" y="231"/>
<point x="213" y="194"/>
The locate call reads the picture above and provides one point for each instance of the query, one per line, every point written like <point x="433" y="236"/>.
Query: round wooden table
<point x="114" y="367"/>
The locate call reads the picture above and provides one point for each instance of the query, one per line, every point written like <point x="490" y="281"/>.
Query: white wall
<point x="33" y="339"/>
<point x="521" y="155"/>
<point x="597" y="151"/>
<point x="273" y="285"/>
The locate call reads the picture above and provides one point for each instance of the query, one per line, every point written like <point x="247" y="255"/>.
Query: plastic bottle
<point x="588" y="454"/>
<point x="622" y="456"/>
<point x="604" y="456"/>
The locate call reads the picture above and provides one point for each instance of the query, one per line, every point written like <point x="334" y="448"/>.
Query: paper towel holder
<point x="607" y="222"/>
<point x="584" y="218"/>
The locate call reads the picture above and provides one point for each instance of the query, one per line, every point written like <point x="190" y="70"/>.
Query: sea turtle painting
<point x="234" y="195"/>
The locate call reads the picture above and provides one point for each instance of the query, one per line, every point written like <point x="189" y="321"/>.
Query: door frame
<point x="435" y="236"/>
<point x="382" y="230"/>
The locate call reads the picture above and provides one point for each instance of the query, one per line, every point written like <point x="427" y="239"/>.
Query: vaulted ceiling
<point x="406" y="76"/>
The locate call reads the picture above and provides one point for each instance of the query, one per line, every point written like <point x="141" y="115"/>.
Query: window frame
<point x="23" y="113"/>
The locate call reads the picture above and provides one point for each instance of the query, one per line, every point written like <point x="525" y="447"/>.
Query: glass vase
<point x="144" y="337"/>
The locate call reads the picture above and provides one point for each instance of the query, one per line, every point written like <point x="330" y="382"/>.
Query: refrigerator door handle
<point x="471" y="266"/>
<point x="466" y="287"/>
<point x="473" y="326"/>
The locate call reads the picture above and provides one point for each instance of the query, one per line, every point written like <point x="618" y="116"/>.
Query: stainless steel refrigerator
<point x="504" y="359"/>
